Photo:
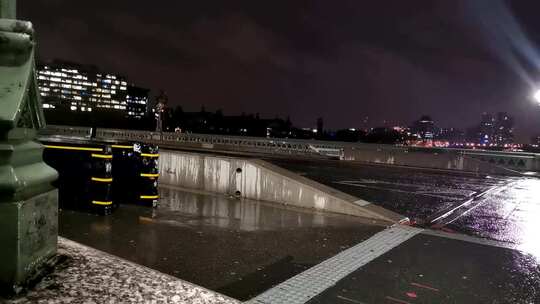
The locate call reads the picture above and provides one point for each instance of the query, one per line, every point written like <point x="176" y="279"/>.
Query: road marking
<point x="469" y="204"/>
<point x="397" y="300"/>
<point x="357" y="184"/>
<point x="306" y="285"/>
<point x="349" y="300"/>
<point x="424" y="286"/>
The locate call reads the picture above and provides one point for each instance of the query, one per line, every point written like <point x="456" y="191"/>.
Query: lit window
<point x="73" y="108"/>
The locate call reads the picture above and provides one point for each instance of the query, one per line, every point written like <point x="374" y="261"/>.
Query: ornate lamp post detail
<point x="159" y="109"/>
<point x="28" y="202"/>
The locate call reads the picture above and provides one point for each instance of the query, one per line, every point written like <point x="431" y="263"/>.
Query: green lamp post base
<point x="29" y="239"/>
<point x="28" y="202"/>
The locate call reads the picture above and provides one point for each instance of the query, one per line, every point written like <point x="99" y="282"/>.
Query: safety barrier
<point x="519" y="161"/>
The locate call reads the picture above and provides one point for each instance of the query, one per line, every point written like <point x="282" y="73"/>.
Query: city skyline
<point x="357" y="61"/>
<point x="84" y="88"/>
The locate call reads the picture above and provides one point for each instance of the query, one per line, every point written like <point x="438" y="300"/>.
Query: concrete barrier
<point x="260" y="180"/>
<point x="447" y="159"/>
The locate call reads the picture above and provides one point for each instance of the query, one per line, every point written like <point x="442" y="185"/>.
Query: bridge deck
<point x="497" y="207"/>
<point x="238" y="248"/>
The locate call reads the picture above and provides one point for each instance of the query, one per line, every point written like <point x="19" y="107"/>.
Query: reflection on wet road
<point x="495" y="207"/>
<point x="418" y="194"/>
<point x="239" y="248"/>
<point x="511" y="214"/>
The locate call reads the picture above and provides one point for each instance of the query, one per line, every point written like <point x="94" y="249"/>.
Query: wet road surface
<point x="238" y="248"/>
<point x="495" y="207"/>
<point x="510" y="214"/>
<point x="428" y="269"/>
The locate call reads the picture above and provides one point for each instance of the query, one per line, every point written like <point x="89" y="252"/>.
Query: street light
<point x="536" y="96"/>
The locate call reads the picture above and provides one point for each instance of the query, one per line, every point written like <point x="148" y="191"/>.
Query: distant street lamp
<point x="159" y="109"/>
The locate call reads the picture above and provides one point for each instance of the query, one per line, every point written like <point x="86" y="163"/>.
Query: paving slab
<point x="91" y="276"/>
<point x="237" y="247"/>
<point x="434" y="269"/>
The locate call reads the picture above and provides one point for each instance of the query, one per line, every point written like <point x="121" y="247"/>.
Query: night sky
<point x="343" y="60"/>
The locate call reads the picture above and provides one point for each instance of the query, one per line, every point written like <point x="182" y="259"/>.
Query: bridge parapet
<point x="482" y="161"/>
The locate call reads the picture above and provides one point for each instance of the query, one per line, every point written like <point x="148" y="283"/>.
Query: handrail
<point x="273" y="145"/>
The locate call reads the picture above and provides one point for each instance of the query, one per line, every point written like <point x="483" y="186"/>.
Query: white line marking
<point x="395" y="190"/>
<point x="306" y="285"/>
<point x="349" y="300"/>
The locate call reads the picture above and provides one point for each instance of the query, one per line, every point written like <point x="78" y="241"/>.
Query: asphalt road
<point x="496" y="207"/>
<point x="428" y="269"/>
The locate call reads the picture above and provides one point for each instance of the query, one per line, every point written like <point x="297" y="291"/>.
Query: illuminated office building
<point x="137" y="101"/>
<point x="83" y="88"/>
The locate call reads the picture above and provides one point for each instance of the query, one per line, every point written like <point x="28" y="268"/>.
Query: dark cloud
<point x="389" y="60"/>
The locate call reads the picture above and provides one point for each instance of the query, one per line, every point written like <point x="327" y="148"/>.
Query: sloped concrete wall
<point x="259" y="180"/>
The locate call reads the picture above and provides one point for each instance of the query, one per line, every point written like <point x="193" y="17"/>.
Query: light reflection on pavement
<point x="510" y="215"/>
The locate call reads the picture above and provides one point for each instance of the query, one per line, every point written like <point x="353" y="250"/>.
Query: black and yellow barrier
<point x="136" y="173"/>
<point x="85" y="174"/>
<point x="96" y="176"/>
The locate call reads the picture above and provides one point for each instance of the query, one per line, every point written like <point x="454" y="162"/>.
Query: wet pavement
<point x="84" y="275"/>
<point x="509" y="214"/>
<point x="237" y="247"/>
<point x="429" y="269"/>
<point x="496" y="207"/>
<point x="419" y="194"/>
<point x="246" y="249"/>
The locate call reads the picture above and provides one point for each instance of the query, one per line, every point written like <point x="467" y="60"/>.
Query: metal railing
<point x="515" y="160"/>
